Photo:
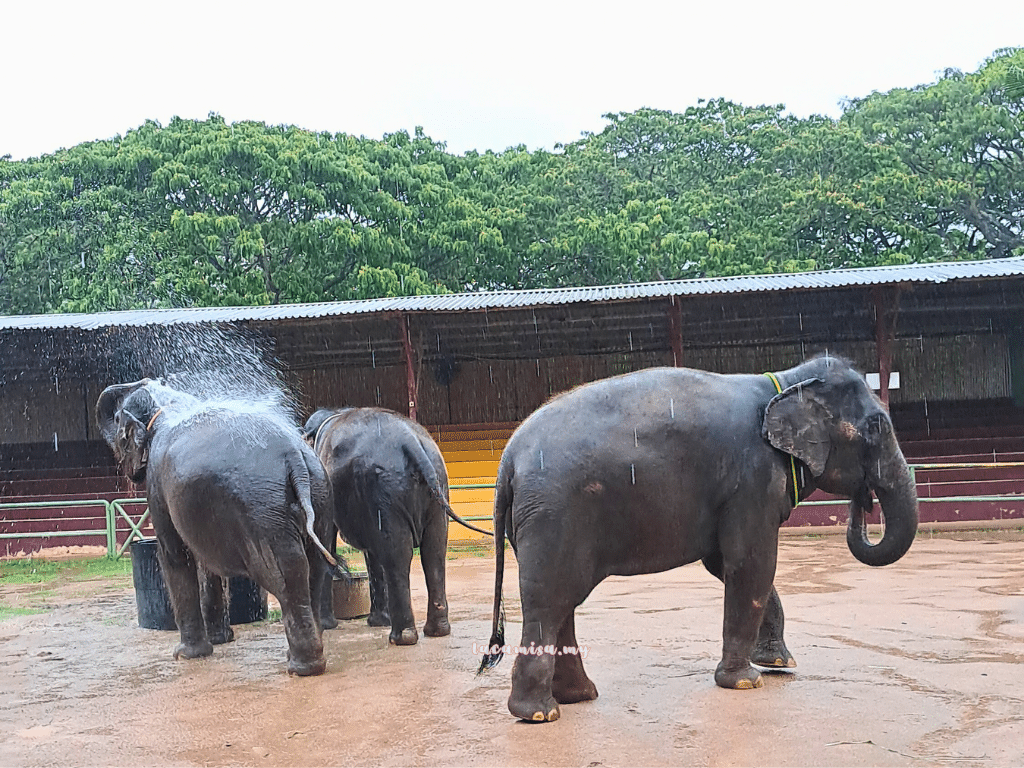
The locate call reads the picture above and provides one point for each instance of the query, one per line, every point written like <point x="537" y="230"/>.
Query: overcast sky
<point x="476" y="75"/>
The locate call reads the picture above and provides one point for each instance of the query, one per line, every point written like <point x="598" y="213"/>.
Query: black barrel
<point x="247" y="601"/>
<point x="151" y="598"/>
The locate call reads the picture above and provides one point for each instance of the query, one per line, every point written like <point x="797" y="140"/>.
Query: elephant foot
<point x="220" y="635"/>
<point x="378" y="620"/>
<point x="773" y="655"/>
<point x="740" y="679"/>
<point x="407" y="636"/>
<point x="328" y="621"/>
<point x="573" y="691"/>
<point x="307" y="669"/>
<point x="193" y="650"/>
<point x="543" y="711"/>
<point x="437" y="627"/>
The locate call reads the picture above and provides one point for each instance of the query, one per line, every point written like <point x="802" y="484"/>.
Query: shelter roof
<point x="936" y="273"/>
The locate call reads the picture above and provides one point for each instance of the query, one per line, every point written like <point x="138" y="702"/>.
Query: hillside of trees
<point x="206" y="213"/>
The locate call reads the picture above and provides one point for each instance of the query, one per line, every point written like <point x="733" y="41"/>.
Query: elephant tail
<point x="298" y="475"/>
<point x="502" y="505"/>
<point x="421" y="461"/>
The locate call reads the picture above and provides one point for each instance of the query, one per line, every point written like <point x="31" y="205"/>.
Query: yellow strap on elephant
<point x="792" y="460"/>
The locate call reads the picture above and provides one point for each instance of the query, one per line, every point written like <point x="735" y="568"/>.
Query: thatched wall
<point x="965" y="367"/>
<point x="955" y="368"/>
<point x="497" y="391"/>
<point x="34" y="413"/>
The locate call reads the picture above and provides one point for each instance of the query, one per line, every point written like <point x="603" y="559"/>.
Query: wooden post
<point x="410" y="371"/>
<point x="675" y="330"/>
<point x="886" y="301"/>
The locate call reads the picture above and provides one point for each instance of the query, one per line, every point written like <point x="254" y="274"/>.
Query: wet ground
<point x="917" y="664"/>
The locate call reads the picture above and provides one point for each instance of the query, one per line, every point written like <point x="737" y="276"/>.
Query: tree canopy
<point x="206" y="213"/>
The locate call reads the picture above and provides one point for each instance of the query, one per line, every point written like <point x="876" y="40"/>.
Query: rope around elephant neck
<point x="316" y="435"/>
<point x="150" y="425"/>
<point x="792" y="459"/>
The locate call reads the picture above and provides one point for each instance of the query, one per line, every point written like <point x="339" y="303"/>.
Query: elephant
<point x="390" y="495"/>
<point x="651" y="470"/>
<point x="233" y="490"/>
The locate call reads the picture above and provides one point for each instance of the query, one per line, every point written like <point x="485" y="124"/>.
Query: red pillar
<point x="886" y="301"/>
<point x="675" y="330"/>
<point x="410" y="373"/>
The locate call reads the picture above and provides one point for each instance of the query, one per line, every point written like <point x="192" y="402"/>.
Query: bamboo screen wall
<point x="500" y="391"/>
<point x="965" y="367"/>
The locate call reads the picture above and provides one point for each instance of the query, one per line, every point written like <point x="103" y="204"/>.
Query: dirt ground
<point x="917" y="664"/>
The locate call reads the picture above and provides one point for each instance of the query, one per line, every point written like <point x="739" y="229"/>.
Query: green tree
<point x="963" y="138"/>
<point x="202" y="212"/>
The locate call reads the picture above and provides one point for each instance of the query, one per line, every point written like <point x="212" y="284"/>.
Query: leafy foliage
<point x="205" y="213"/>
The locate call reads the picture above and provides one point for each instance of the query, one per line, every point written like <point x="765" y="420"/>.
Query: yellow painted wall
<point x="471" y="456"/>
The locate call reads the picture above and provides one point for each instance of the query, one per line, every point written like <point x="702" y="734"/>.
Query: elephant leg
<point x="214" y="599"/>
<point x="570" y="683"/>
<point x="179" y="571"/>
<point x="301" y="624"/>
<point x="433" y="551"/>
<point x="749" y="572"/>
<point x="379" y="616"/>
<point x="770" y="650"/>
<point x="533" y="672"/>
<point x="321" y="589"/>
<point x="396" y="574"/>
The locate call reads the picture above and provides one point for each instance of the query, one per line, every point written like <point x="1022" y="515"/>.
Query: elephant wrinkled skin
<point x="651" y="470"/>
<point x="231" y="493"/>
<point x="391" y="495"/>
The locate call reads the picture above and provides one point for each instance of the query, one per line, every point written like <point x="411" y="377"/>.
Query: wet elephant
<point x="390" y="495"/>
<point x="651" y="470"/>
<point x="232" y="491"/>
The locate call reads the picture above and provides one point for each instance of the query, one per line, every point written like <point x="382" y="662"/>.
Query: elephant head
<point x="831" y="421"/>
<point x="124" y="413"/>
<point x="314" y="422"/>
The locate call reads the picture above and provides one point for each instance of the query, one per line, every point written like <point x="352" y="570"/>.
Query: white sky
<point x="477" y="74"/>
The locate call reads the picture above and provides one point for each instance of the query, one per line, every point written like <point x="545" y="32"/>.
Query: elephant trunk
<point x="894" y="486"/>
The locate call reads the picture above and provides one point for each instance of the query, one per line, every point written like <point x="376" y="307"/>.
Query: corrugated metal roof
<point x="838" y="278"/>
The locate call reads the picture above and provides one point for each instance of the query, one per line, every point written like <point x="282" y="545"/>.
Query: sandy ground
<point x="917" y="664"/>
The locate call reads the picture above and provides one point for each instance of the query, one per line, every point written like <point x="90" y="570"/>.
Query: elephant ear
<point x="131" y="434"/>
<point x="796" y="422"/>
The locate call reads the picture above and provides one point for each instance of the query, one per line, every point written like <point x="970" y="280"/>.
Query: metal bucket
<point x="352" y="599"/>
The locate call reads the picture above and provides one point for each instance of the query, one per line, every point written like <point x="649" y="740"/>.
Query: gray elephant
<point x="233" y="490"/>
<point x="651" y="470"/>
<point x="390" y="495"/>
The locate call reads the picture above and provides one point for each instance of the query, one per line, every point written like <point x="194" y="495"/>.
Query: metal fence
<point x="114" y="512"/>
<point x="121" y="519"/>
